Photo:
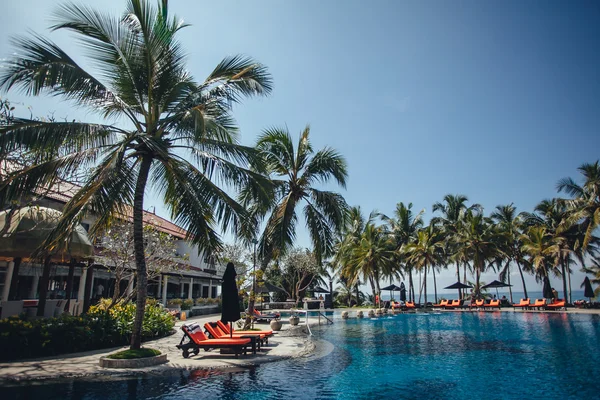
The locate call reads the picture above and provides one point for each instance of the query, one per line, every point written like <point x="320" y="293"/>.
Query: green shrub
<point x="99" y="328"/>
<point x="129" y="354"/>
<point x="175" y="302"/>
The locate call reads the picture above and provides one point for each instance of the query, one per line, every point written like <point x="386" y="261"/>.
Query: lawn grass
<point x="129" y="354"/>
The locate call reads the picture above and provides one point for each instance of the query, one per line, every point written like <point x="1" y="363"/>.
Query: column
<point x="164" y="289"/>
<point x="191" y="287"/>
<point x="87" y="294"/>
<point x="181" y="291"/>
<point x="129" y="289"/>
<point x="8" y="280"/>
<point x="210" y="288"/>
<point x="82" y="280"/>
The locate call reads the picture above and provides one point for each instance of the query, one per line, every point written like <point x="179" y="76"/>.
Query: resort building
<point x="196" y="276"/>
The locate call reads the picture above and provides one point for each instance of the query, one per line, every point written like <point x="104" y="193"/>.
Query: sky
<point x="493" y="100"/>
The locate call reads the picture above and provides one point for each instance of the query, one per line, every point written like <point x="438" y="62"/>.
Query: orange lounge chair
<point x="215" y="332"/>
<point x="492" y="304"/>
<point x="225" y="328"/>
<point x="556" y="305"/>
<point x="524" y="303"/>
<point x="395" y="304"/>
<point x="454" y="304"/>
<point x="409" y="304"/>
<point x="539" y="303"/>
<point x="197" y="340"/>
<point x="478" y="303"/>
<point x="442" y="303"/>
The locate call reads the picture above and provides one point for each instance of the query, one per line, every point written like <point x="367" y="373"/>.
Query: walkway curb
<point x="106" y="362"/>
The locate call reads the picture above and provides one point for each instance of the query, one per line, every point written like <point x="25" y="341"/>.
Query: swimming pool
<point x="407" y="356"/>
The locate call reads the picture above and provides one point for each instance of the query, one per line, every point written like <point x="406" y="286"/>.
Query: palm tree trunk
<point x="434" y="285"/>
<point x="460" y="292"/>
<point x="564" y="277"/>
<point x="357" y="296"/>
<point x="509" y="287"/>
<point x="570" y="290"/>
<point x="522" y="280"/>
<point x="140" y="259"/>
<point x="411" y="288"/>
<point x="425" y="284"/>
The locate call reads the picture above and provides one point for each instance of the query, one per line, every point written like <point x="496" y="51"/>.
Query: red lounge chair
<point x="215" y="332"/>
<point x="524" y="303"/>
<point x="492" y="304"/>
<point x="556" y="305"/>
<point x="539" y="303"/>
<point x="225" y="328"/>
<point x="197" y="340"/>
<point x="442" y="303"/>
<point x="395" y="304"/>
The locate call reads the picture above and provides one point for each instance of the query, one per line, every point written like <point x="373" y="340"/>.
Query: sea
<point x="516" y="295"/>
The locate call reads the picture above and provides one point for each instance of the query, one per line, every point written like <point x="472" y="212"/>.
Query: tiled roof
<point x="64" y="191"/>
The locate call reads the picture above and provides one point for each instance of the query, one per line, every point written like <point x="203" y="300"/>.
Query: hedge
<point x="99" y="328"/>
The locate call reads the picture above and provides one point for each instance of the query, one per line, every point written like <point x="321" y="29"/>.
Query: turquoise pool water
<point x="408" y="356"/>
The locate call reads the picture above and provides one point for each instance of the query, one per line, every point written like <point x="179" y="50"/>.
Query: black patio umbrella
<point x="495" y="284"/>
<point x="458" y="285"/>
<point x="402" y="292"/>
<point x="230" y="297"/>
<point x="588" y="291"/>
<point x="391" y="288"/>
<point x="547" y="289"/>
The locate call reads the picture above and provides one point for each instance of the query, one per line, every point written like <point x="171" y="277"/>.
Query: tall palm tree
<point x="178" y="138"/>
<point x="295" y="172"/>
<point x="479" y="237"/>
<point x="371" y="257"/>
<point x="509" y="225"/>
<point x="542" y="249"/>
<point x="453" y="209"/>
<point x="403" y="228"/>
<point x="426" y="251"/>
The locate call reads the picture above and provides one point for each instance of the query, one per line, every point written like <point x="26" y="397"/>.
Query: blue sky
<point x="494" y="100"/>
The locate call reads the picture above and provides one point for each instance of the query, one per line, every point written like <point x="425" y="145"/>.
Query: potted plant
<point x="294" y="319"/>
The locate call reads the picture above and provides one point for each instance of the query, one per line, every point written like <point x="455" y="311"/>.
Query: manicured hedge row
<point x="99" y="328"/>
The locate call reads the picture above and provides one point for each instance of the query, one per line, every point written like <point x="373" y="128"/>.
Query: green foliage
<point x="100" y="328"/>
<point x="187" y="304"/>
<point x="138" y="353"/>
<point x="175" y="302"/>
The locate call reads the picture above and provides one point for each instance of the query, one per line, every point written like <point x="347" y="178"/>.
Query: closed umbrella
<point x="230" y="297"/>
<point x="588" y="291"/>
<point x="402" y="292"/>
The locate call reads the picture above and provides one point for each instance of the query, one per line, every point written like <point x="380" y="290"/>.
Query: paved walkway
<point x="289" y="342"/>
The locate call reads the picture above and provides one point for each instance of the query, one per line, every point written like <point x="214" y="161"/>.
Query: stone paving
<point x="289" y="342"/>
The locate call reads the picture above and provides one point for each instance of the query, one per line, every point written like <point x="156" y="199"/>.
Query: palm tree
<point x="479" y="237"/>
<point x="372" y="257"/>
<point x="403" y="228"/>
<point x="509" y="225"/>
<point x="295" y="172"/>
<point x="585" y="205"/>
<point x="453" y="209"/>
<point x="542" y="249"/>
<point x="426" y="251"/>
<point x="179" y="134"/>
